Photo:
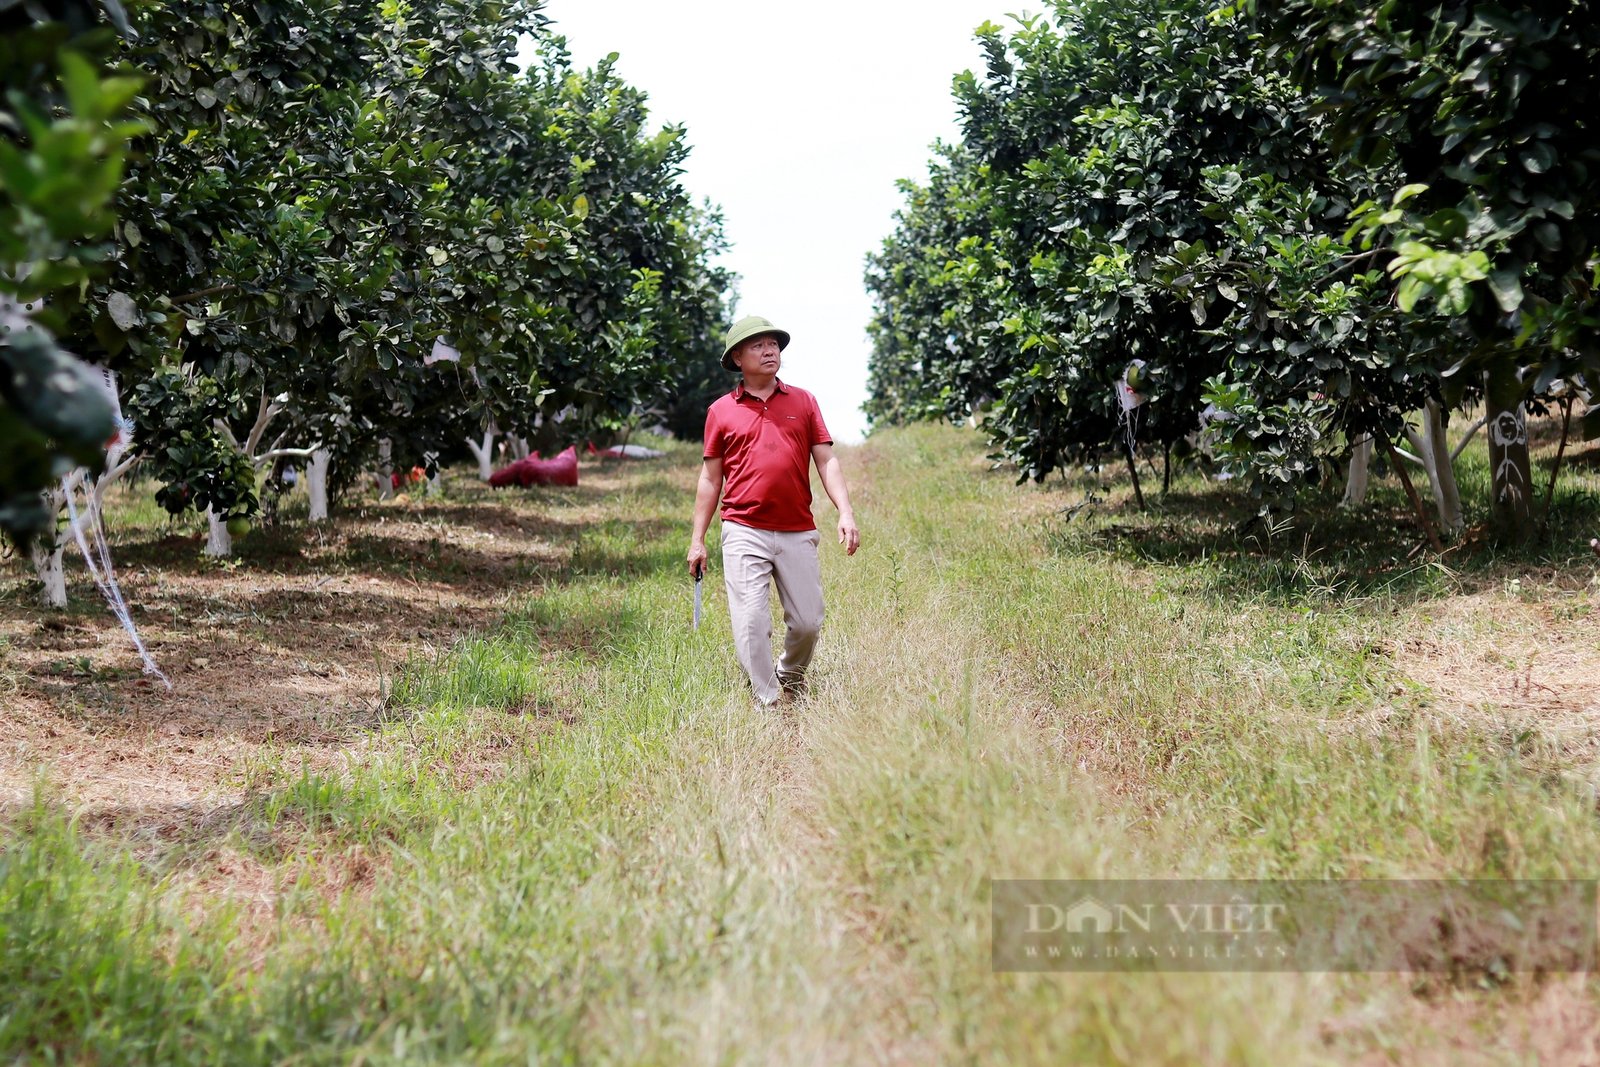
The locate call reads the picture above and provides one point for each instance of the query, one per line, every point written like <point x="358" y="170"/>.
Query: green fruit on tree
<point x="238" y="526"/>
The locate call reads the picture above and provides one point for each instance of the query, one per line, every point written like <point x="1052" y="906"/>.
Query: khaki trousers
<point x="751" y="561"/>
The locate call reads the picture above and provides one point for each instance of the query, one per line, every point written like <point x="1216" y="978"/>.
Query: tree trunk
<point x="48" y="554"/>
<point x="1355" y="484"/>
<point x="219" y="542"/>
<point x="385" y="468"/>
<point x="317" y="483"/>
<point x="1434" y="451"/>
<point x="47" y="564"/>
<point x="1511" y="472"/>
<point x="517" y="446"/>
<point x="484" y="452"/>
<point x="1133" y="469"/>
<point x="1443" y="469"/>
<point x="1166" y="468"/>
<point x="49" y="551"/>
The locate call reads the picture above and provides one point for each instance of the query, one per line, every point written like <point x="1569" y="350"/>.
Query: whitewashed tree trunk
<point x="483" y="451"/>
<point x="1424" y="457"/>
<point x="435" y="482"/>
<point x="1434" y="454"/>
<point x="317" y="483"/>
<point x="385" y="468"/>
<point x="47" y="564"/>
<point x="517" y="446"/>
<point x="1443" y="472"/>
<point x="1355" y="486"/>
<point x="219" y="542"/>
<point x="49" y="552"/>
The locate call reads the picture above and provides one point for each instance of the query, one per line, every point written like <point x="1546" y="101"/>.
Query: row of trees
<point x="1302" y="228"/>
<point x="343" y="234"/>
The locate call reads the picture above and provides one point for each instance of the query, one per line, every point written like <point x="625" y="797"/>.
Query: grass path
<point x="641" y="868"/>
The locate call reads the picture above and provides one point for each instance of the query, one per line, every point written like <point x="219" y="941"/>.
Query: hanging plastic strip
<point x="99" y="561"/>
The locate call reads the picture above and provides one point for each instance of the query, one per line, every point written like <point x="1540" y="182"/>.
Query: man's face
<point x="758" y="355"/>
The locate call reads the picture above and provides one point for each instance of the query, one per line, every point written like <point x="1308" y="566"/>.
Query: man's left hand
<point x="849" y="536"/>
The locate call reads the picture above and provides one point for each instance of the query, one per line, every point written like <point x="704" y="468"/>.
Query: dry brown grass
<point x="1523" y="666"/>
<point x="279" y="660"/>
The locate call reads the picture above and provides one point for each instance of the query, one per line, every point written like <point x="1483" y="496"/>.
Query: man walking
<point x="761" y="440"/>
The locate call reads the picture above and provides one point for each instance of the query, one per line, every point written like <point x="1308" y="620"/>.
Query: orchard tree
<point x="1486" y="112"/>
<point x="1091" y="135"/>
<point x="227" y="269"/>
<point x="1162" y="208"/>
<point x="333" y="193"/>
<point x="939" y="283"/>
<point x="1315" y="362"/>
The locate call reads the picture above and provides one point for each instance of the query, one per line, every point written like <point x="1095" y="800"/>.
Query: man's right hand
<point x="697" y="560"/>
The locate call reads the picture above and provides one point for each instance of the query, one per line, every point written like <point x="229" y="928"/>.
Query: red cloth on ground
<point x="562" y="470"/>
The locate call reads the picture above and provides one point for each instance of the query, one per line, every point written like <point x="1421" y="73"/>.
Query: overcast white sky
<point x="801" y="117"/>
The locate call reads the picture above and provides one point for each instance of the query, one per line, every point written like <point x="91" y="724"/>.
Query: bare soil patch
<point x="278" y="658"/>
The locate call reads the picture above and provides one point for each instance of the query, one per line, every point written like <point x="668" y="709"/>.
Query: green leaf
<point x="123" y="311"/>
<point x="82" y="84"/>
<point x="1447" y="224"/>
<point x="1506" y="285"/>
<point x="1538" y="157"/>
<point x="1409" y="292"/>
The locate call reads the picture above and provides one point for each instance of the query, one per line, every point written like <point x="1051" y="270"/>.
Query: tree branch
<point x="1555" y="471"/>
<point x="1402" y="452"/>
<point x="265" y="413"/>
<point x="109" y="478"/>
<point x="287" y="453"/>
<point x="227" y="432"/>
<point x="1411" y="493"/>
<point x="121" y="468"/>
<point x="201" y="294"/>
<point x="1472" y="431"/>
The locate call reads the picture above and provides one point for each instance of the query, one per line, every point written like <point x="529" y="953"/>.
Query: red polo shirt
<point x="765" y="448"/>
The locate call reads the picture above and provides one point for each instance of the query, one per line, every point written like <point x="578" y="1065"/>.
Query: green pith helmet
<point x="746" y="328"/>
